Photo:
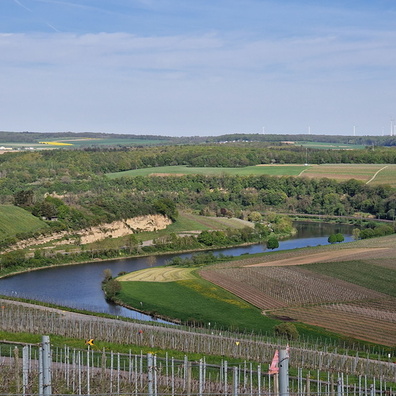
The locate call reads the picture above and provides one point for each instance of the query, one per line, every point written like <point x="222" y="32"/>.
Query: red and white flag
<point x="274" y="368"/>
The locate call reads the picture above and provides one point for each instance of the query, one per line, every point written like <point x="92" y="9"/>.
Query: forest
<point x="72" y="186"/>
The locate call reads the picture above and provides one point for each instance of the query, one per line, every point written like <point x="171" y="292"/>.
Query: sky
<point x="198" y="67"/>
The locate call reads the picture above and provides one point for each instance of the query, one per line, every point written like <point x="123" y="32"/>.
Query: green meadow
<point x="274" y="170"/>
<point x="330" y="146"/>
<point x="205" y="304"/>
<point x="362" y="273"/>
<point x="195" y="301"/>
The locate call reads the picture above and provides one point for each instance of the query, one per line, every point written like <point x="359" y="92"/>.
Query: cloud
<point x="199" y="81"/>
<point x="21" y="5"/>
<point x="307" y="58"/>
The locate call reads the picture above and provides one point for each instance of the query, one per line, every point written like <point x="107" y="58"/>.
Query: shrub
<point x="286" y="330"/>
<point x="272" y="243"/>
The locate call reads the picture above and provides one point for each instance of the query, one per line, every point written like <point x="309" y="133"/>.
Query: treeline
<point x="44" y="167"/>
<point x="269" y="228"/>
<point x="105" y="200"/>
<point x="36" y="137"/>
<point x="198" y="260"/>
<point x="228" y="196"/>
<point x="278" y="138"/>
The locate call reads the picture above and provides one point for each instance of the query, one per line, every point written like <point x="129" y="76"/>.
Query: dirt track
<point x="320" y="257"/>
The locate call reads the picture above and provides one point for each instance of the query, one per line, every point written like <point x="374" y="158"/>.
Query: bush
<point x="286" y="330"/>
<point x="332" y="239"/>
<point x="272" y="243"/>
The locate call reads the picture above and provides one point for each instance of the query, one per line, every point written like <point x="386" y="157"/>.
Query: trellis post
<point x="283" y="372"/>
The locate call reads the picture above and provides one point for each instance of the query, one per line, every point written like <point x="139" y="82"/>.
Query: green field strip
<point x="274" y="170"/>
<point x="15" y="220"/>
<point x="373" y="277"/>
<point x="195" y="300"/>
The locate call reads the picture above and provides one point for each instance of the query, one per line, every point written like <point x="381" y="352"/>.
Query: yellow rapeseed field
<point x="57" y="143"/>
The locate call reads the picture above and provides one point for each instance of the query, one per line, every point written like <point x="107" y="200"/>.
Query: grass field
<point x="195" y="301"/>
<point x="330" y="146"/>
<point x="15" y="220"/>
<point x="362" y="273"/>
<point x="276" y="170"/>
<point x="368" y="173"/>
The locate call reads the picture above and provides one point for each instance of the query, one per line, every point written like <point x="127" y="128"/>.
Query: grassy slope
<point x="14" y="220"/>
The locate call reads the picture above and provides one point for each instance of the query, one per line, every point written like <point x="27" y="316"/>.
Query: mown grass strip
<point x="159" y="274"/>
<point x="179" y="170"/>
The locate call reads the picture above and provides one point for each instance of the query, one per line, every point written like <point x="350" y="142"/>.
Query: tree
<point x="167" y="207"/>
<point x="272" y="243"/>
<point x="111" y="289"/>
<point x="206" y="238"/>
<point x="107" y="275"/>
<point x="339" y="238"/>
<point x="356" y="233"/>
<point x="255" y="216"/>
<point x="24" y="198"/>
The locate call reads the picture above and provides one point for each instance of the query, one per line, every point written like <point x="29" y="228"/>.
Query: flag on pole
<point x="274" y="369"/>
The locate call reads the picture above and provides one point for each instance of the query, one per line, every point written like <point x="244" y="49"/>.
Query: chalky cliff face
<point x="125" y="227"/>
<point x="115" y="229"/>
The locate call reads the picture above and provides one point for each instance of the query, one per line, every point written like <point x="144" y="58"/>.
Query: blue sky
<point x="198" y="67"/>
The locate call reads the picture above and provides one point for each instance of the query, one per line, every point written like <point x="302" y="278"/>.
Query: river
<point x="79" y="286"/>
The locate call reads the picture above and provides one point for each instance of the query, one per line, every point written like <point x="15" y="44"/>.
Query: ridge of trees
<point x="38" y="166"/>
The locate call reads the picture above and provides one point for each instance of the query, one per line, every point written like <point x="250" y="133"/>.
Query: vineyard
<point x="91" y="371"/>
<point x="258" y="349"/>
<point x="317" y="287"/>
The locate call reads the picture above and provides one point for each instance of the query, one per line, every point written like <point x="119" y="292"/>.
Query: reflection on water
<point x="79" y="286"/>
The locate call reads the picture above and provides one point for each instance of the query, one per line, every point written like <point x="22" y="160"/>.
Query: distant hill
<point x="98" y="139"/>
<point x="15" y="220"/>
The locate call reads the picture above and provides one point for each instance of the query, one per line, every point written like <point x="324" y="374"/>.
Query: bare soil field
<point x="324" y="256"/>
<point x="357" y="322"/>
